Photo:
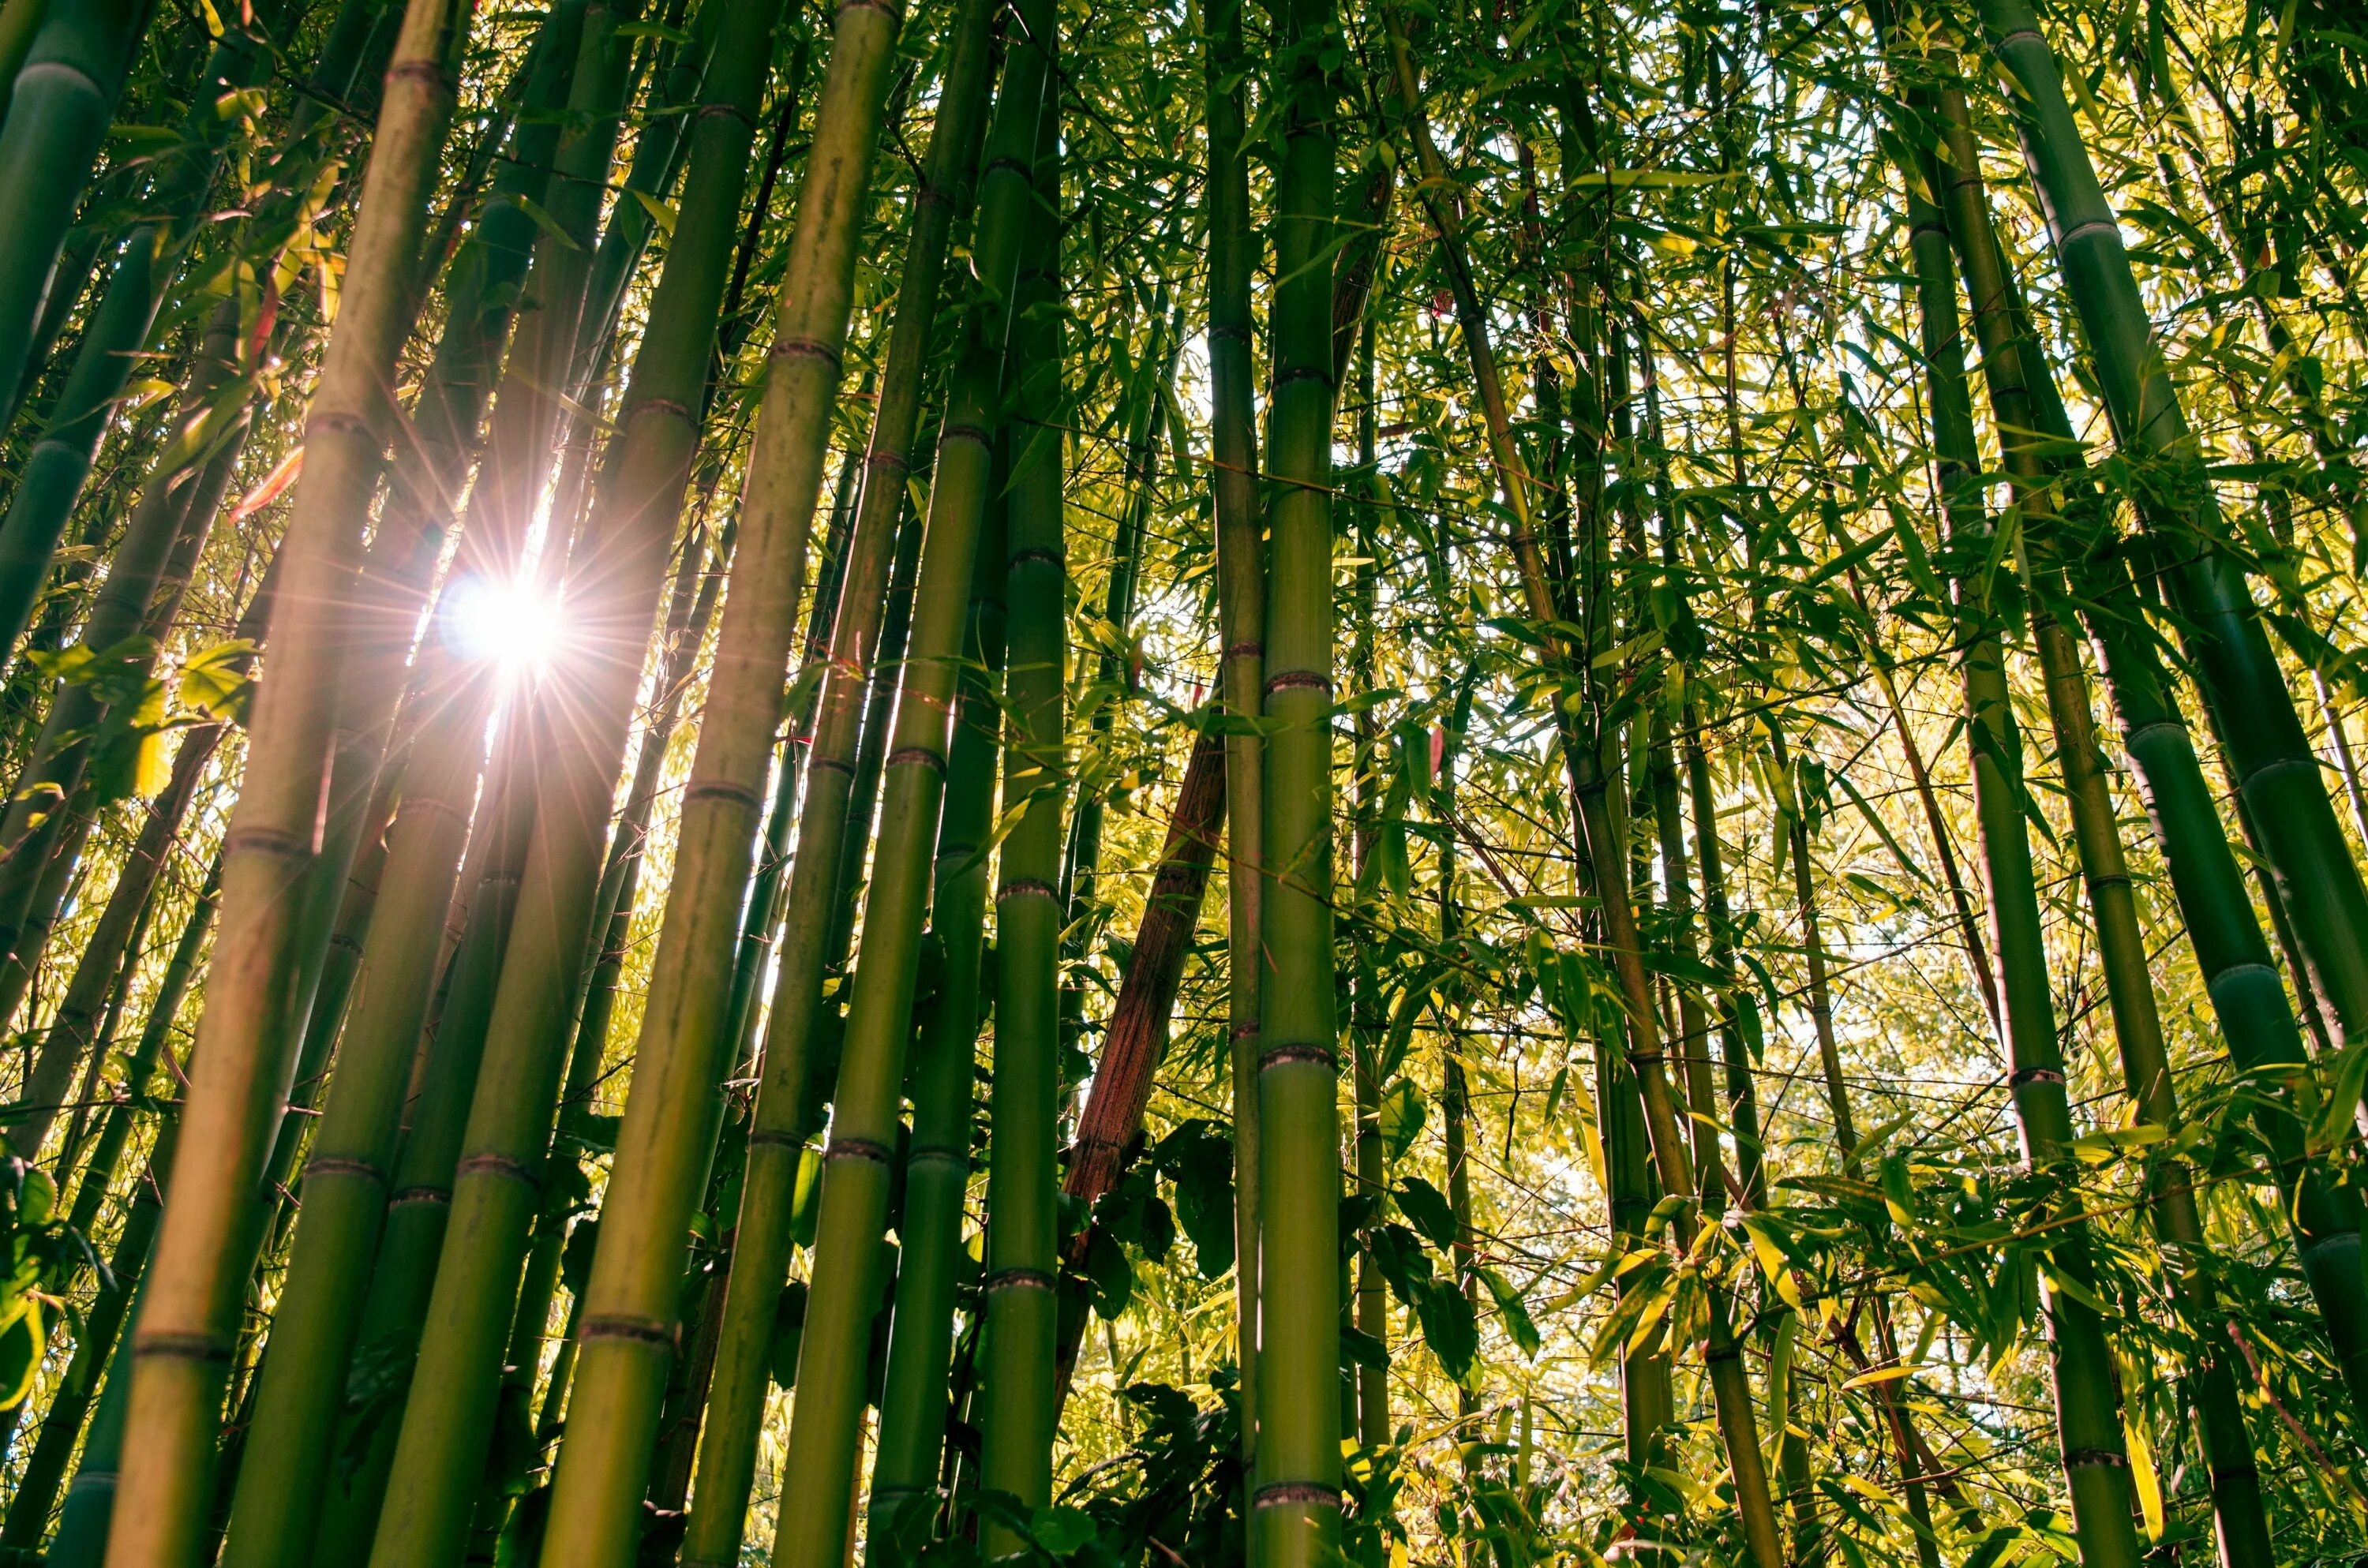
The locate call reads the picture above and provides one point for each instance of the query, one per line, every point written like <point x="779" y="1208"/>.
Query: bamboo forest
<point x="1212" y="784"/>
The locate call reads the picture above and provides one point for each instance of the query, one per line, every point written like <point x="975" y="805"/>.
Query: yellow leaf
<point x="2143" y="1476"/>
<point x="1892" y="1373"/>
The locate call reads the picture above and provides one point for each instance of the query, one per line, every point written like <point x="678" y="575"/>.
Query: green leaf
<point x="1448" y="1326"/>
<point x="1432" y="1215"/>
<point x="1402" y="1114"/>
<point x="1509" y="1306"/>
<point x="21" y="1343"/>
<point x="1111" y="1274"/>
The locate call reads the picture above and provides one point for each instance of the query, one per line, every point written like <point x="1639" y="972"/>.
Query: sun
<point x="510" y="626"/>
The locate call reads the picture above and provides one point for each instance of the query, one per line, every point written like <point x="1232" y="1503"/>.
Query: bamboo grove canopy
<point x="1545" y="782"/>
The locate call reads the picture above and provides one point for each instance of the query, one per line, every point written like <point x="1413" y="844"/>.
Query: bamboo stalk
<point x="1241" y="620"/>
<point x="1296" y="1475"/>
<point x="2088" y="1405"/>
<point x="1018" y="1299"/>
<point x="915" y="1392"/>
<point x="669" y="1126"/>
<point x="58" y="107"/>
<point x="618" y="570"/>
<point x="2269" y="754"/>
<point x="820" y="1459"/>
<point x="786" y="1110"/>
<point x="197" y="1281"/>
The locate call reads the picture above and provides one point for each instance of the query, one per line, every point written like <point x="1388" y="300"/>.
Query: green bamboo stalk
<point x="821" y="1460"/>
<point x="670" y="1121"/>
<point x="1019" y="1301"/>
<point x="147" y="569"/>
<point x="1295" y="1495"/>
<point x="59" y="109"/>
<point x="197" y="1283"/>
<point x="786" y="1111"/>
<point x="2256" y="1017"/>
<point x="914" y="1395"/>
<point x="277" y="1506"/>
<point x="20" y="23"/>
<point x="658" y="154"/>
<point x="2269" y="754"/>
<point x="112" y="947"/>
<point x="62" y="1428"/>
<point x="1241" y="616"/>
<point x="2237" y="1503"/>
<point x="2087" y="1406"/>
<point x="59" y="463"/>
<point x="2011" y="365"/>
<point x="1366" y="1013"/>
<point x="619" y="567"/>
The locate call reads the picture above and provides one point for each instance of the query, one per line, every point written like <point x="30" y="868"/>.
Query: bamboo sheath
<point x="821" y="1460"/>
<point x="195" y="1285"/>
<point x="618" y="568"/>
<point x="785" y="1110"/>
<point x="670" y="1117"/>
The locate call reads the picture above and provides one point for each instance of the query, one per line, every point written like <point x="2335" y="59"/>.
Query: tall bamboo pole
<point x="612" y="600"/>
<point x="821" y="1461"/>
<point x="2011" y="365"/>
<point x="2269" y="755"/>
<point x="1295" y="1482"/>
<point x="2089" y="1422"/>
<point x="1241" y="620"/>
<point x="669" y="1128"/>
<point x="196" y="1290"/>
<point x="1019" y="1302"/>
<point x="59" y="107"/>
<point x="913" y="1400"/>
<point x="785" y="1112"/>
